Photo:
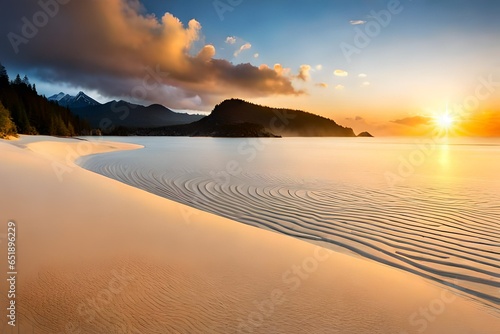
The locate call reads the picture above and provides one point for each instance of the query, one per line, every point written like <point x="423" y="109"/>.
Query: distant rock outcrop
<point x="365" y="134"/>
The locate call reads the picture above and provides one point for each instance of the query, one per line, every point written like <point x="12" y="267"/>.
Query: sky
<point x="389" y="67"/>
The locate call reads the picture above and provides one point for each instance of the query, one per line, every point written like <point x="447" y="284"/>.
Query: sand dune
<point x="98" y="256"/>
<point x="438" y="235"/>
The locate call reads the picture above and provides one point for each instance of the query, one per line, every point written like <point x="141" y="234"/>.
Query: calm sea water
<point x="429" y="208"/>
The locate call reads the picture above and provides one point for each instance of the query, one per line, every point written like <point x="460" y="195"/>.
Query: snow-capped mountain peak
<point x="57" y="97"/>
<point x="82" y="97"/>
<point x="78" y="101"/>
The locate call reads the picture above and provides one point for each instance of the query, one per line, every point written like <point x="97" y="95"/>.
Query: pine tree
<point x="4" y="77"/>
<point x="34" y="114"/>
<point x="21" y="119"/>
<point x="18" y="80"/>
<point x="62" y="130"/>
<point x="71" y="130"/>
<point x="7" y="126"/>
<point x="53" y="126"/>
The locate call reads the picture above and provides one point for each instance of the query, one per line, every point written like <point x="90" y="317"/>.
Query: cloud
<point x="281" y="71"/>
<point x="206" y="53"/>
<point x="256" y="55"/>
<point x="322" y="85"/>
<point x="413" y="121"/>
<point x="365" y="84"/>
<point x="230" y="39"/>
<point x="340" y="73"/>
<point x="357" y="119"/>
<point x="362" y="75"/>
<point x="246" y="46"/>
<point x="115" y="48"/>
<point x="304" y="73"/>
<point x="339" y="87"/>
<point x="319" y="67"/>
<point x="357" y="22"/>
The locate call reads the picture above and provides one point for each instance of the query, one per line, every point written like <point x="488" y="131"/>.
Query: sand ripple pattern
<point x="449" y="237"/>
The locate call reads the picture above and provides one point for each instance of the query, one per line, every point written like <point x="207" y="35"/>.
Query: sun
<point x="444" y="121"/>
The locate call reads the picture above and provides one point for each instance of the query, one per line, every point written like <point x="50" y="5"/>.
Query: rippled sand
<point x="441" y="233"/>
<point x="98" y="256"/>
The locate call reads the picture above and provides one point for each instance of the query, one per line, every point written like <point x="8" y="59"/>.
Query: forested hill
<point x="282" y="122"/>
<point x="31" y="113"/>
<point x="238" y="118"/>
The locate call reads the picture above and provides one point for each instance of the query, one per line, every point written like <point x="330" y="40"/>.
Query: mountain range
<point x="121" y="113"/>
<point x="71" y="102"/>
<point x="231" y="118"/>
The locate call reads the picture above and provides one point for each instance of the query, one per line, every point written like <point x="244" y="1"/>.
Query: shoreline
<point x="96" y="255"/>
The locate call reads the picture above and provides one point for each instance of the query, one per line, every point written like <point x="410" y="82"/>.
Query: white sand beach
<point x="97" y="256"/>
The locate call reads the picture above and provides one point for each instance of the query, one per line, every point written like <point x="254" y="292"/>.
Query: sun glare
<point x="444" y="121"/>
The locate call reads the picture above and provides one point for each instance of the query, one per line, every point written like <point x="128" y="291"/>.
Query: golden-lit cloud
<point x="322" y="85"/>
<point x="114" y="48"/>
<point x="356" y="119"/>
<point x="319" y="67"/>
<point x="281" y="71"/>
<point x="413" y="121"/>
<point x="304" y="73"/>
<point x="246" y="46"/>
<point x="339" y="87"/>
<point x="206" y="53"/>
<point x="340" y="73"/>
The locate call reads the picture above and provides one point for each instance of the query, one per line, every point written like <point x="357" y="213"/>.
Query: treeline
<point x="23" y="111"/>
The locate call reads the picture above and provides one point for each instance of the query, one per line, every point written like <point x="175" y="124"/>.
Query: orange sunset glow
<point x="250" y="166"/>
<point x="377" y="67"/>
